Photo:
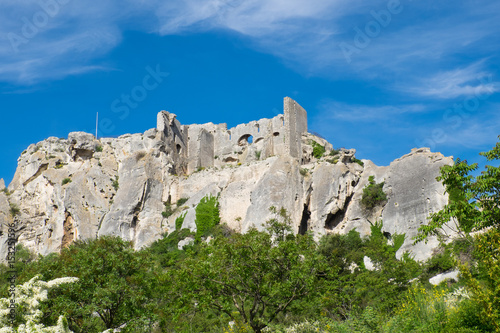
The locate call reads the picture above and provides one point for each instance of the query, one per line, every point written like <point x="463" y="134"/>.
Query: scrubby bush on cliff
<point x="207" y="215"/>
<point x="318" y="150"/>
<point x="373" y="194"/>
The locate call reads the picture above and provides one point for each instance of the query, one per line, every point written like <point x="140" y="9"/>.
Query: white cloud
<point x="468" y="81"/>
<point x="365" y="113"/>
<point x="305" y="34"/>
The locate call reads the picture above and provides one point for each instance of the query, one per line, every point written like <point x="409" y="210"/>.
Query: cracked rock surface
<point x="81" y="188"/>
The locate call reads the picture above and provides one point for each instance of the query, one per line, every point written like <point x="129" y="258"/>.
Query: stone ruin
<point x="194" y="147"/>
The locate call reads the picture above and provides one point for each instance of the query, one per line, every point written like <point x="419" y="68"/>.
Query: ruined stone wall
<point x="208" y="145"/>
<point x="173" y="134"/>
<point x="296" y="125"/>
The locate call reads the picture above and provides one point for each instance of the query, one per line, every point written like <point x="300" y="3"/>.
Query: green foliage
<point x="6" y="191"/>
<point x="332" y="160"/>
<point x="165" y="251"/>
<point x="355" y="160"/>
<point x="207" y="215"/>
<point x="257" y="154"/>
<point x="98" y="148"/>
<point x="179" y="221"/>
<point x="27" y="315"/>
<point x="373" y="194"/>
<point x="59" y="166"/>
<point x="483" y="278"/>
<point x="318" y="150"/>
<point x="14" y="209"/>
<point x="114" y="282"/>
<point x="335" y="152"/>
<point x="473" y="201"/>
<point x="168" y="210"/>
<point x="181" y="201"/>
<point x="304" y="171"/>
<point x="66" y="181"/>
<point x="251" y="278"/>
<point x="115" y="183"/>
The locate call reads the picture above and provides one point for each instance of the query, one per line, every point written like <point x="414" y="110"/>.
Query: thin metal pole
<point x="96" y="123"/>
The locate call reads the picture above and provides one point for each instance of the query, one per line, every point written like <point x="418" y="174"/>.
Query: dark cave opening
<point x="333" y="220"/>
<point x="306" y="216"/>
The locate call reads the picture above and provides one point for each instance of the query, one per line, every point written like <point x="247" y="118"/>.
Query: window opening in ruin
<point x="245" y="140"/>
<point x="276" y="134"/>
<point x="179" y="148"/>
<point x="258" y="128"/>
<point x="229" y="132"/>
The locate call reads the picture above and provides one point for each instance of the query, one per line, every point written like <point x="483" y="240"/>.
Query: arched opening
<point x="229" y="132"/>
<point x="245" y="140"/>
<point x="179" y="148"/>
<point x="276" y="134"/>
<point x="258" y="128"/>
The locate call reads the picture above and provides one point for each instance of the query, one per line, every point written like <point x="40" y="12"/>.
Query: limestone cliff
<point x="81" y="187"/>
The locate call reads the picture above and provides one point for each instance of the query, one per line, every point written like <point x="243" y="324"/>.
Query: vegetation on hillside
<point x="373" y="194"/>
<point x="276" y="281"/>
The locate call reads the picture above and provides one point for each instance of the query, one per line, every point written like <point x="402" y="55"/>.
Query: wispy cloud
<point x="365" y="113"/>
<point x="468" y="81"/>
<point x="305" y="34"/>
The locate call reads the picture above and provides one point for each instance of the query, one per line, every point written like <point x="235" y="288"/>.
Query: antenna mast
<point x="96" y="123"/>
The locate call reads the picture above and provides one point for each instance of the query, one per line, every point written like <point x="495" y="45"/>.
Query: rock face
<point x="81" y="187"/>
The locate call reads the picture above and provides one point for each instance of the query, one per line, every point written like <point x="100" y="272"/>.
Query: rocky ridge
<point x="81" y="187"/>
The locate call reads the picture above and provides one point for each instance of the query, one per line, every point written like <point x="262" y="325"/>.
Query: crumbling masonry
<point x="193" y="147"/>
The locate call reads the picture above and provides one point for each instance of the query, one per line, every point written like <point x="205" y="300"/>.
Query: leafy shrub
<point x="304" y="171"/>
<point x="58" y="166"/>
<point x="98" y="148"/>
<point x="14" y="209"/>
<point x="66" y="181"/>
<point x="168" y="210"/>
<point x="207" y="215"/>
<point x="332" y="160"/>
<point x="335" y="152"/>
<point x="373" y="194"/>
<point x="179" y="221"/>
<point x="318" y="150"/>
<point x="115" y="183"/>
<point x="257" y="154"/>
<point x="182" y="201"/>
<point x="355" y="160"/>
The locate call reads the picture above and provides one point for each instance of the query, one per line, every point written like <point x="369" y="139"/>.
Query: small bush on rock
<point x="373" y="194"/>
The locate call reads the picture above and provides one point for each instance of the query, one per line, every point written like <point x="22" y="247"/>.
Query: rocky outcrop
<point x="82" y="188"/>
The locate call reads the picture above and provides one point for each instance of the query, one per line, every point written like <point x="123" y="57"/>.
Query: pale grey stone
<point x="250" y="167"/>
<point x="185" y="242"/>
<point x="453" y="275"/>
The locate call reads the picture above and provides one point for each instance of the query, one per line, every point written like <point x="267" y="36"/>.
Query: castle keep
<point x="193" y="147"/>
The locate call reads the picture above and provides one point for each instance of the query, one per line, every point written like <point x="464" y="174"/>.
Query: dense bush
<point x="179" y="221"/>
<point x="207" y="215"/>
<point x="318" y="150"/>
<point x="373" y="194"/>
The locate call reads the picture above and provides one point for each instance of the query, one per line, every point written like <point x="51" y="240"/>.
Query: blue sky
<point x="379" y="76"/>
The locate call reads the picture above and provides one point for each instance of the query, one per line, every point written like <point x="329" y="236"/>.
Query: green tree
<point x="474" y="202"/>
<point x="115" y="285"/>
<point x="252" y="278"/>
<point x="207" y="215"/>
<point x="474" y="205"/>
